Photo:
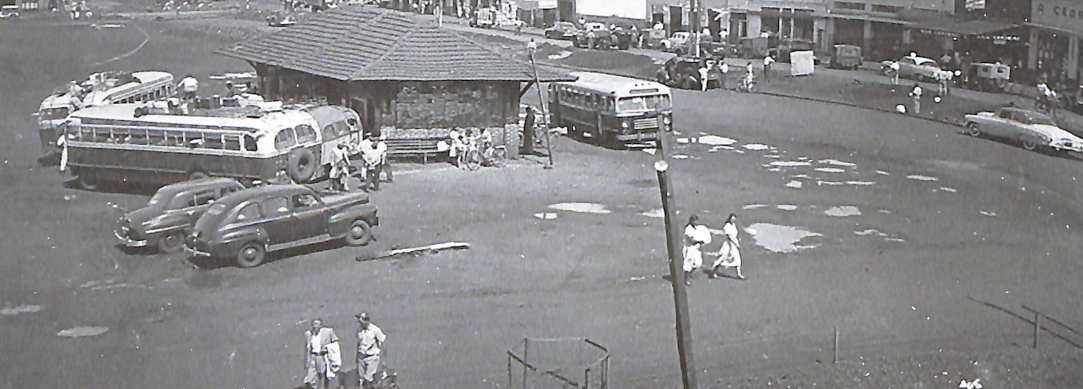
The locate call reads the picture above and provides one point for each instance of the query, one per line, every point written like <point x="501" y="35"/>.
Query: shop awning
<point x="960" y="27"/>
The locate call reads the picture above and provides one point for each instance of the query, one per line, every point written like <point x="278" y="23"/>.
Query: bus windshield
<point x="54" y="113"/>
<point x="644" y="103"/>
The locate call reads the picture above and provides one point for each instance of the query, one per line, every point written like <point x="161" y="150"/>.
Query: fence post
<point x="1037" y="327"/>
<point x="836" y="359"/>
<point x="509" y="371"/>
<point x="526" y="345"/>
<point x="586" y="378"/>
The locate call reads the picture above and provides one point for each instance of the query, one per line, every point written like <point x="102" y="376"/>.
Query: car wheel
<point x="360" y="233"/>
<point x="171" y="242"/>
<point x="251" y="255"/>
<point x="1029" y="144"/>
<point x="974" y="130"/>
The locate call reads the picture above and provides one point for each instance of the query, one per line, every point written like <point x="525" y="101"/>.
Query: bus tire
<point x="302" y="165"/>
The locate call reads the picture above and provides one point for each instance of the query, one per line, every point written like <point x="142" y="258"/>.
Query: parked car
<point x="653" y="38"/>
<point x="683" y="72"/>
<point x="621" y="38"/>
<point x="247" y="225"/>
<point x="165" y="220"/>
<point x="676" y="41"/>
<point x="562" y="31"/>
<point x="846" y="57"/>
<point x="1031" y="129"/>
<point x="600" y="33"/>
<point x="920" y="68"/>
<point x="9" y="12"/>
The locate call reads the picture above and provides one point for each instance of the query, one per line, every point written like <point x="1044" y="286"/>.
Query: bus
<point x="105" y="88"/>
<point x="135" y="143"/>
<point x="611" y="110"/>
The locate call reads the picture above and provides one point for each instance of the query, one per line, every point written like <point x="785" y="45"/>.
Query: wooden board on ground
<point x="433" y="248"/>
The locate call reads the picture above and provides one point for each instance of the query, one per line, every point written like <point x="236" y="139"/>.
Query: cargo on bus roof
<point x="226" y="117"/>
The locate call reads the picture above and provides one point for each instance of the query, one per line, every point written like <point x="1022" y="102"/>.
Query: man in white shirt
<point x="695" y="237"/>
<point x="916" y="94"/>
<point x="340" y="168"/>
<point x="893" y="71"/>
<point x="725" y="69"/>
<point x="370" y="341"/>
<point x="373" y="153"/>
<point x="189" y="86"/>
<point x="322" y="355"/>
<point x="767" y="61"/>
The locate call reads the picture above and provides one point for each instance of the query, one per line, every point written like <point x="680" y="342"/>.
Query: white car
<point x="1031" y="129"/>
<point x="920" y="68"/>
<point x="678" y="40"/>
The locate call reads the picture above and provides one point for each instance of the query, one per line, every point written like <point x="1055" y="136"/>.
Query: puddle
<point x="790" y="163"/>
<point x="947" y="189"/>
<point x="649" y="151"/>
<point x="829" y="170"/>
<point x="869" y="232"/>
<point x="921" y="177"/>
<point x="581" y="208"/>
<point x="778" y="238"/>
<point x="80" y="332"/>
<point x="836" y="162"/>
<point x="20" y="310"/>
<point x="990" y="214"/>
<point x="545" y="215"/>
<point x="895" y="240"/>
<point x="657" y="213"/>
<point x="831" y="183"/>
<point x="794" y="184"/>
<point x="861" y="183"/>
<point x="805" y="176"/>
<point x="755" y="206"/>
<point x="682" y="140"/>
<point x="714" y="140"/>
<point x="883" y="173"/>
<point x="786" y="207"/>
<point x="843" y="211"/>
<point x="756" y="147"/>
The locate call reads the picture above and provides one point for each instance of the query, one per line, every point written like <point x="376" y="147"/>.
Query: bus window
<point x="249" y="143"/>
<point x="156" y="137"/>
<point x="329" y="132"/>
<point x="305" y="134"/>
<point x="284" y="140"/>
<point x="194" y="138"/>
<point x="231" y="142"/>
<point x="137" y="136"/>
<point x="214" y="141"/>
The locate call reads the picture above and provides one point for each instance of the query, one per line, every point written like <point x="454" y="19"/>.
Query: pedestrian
<point x="189" y="86"/>
<point x="943" y="77"/>
<point x="725" y="68"/>
<point x="703" y="75"/>
<point x="893" y="72"/>
<point x="767" y="62"/>
<point x="528" y="132"/>
<point x="455" y="152"/>
<point x="372" y="155"/>
<point x="730" y="254"/>
<point x="695" y="237"/>
<point x="749" y="75"/>
<point x="916" y="94"/>
<point x="322" y="355"/>
<point x="340" y="168"/>
<point x="370" y="342"/>
<point x="385" y="162"/>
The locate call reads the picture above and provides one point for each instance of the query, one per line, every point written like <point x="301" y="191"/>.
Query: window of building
<point x="885" y="8"/>
<point x="849" y="5"/>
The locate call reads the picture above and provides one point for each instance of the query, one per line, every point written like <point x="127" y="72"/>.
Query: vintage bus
<point x="106" y="88"/>
<point x="138" y="143"/>
<point x="611" y="110"/>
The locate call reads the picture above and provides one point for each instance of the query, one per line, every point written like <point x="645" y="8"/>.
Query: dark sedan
<point x="169" y="214"/>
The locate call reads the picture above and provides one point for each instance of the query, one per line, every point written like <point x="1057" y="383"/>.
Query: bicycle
<point x="1049" y="106"/>
<point x="491" y="156"/>
<point x="747" y="85"/>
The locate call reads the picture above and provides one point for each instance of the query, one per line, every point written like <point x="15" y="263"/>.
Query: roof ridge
<point x="390" y="50"/>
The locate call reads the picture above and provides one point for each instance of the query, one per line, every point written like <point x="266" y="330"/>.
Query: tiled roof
<point x="354" y="43"/>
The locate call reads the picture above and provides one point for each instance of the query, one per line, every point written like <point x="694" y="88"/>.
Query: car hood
<point x="141" y="215"/>
<point x="346" y="198"/>
<point x="1055" y="133"/>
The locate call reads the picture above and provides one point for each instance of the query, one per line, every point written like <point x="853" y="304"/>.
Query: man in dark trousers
<point x="528" y="132"/>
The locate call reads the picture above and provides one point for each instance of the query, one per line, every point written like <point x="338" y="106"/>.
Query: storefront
<point x="1054" y="54"/>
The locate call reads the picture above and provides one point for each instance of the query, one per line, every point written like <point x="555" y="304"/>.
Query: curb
<point x="852" y="105"/>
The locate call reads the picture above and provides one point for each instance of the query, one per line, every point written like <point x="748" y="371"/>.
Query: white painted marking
<point x="756" y="146"/>
<point x="681" y="156"/>
<point x="19" y="310"/>
<point x="794" y="184"/>
<point x="990" y="214"/>
<point x="829" y="170"/>
<point x="79" y="332"/>
<point x="883" y="173"/>
<point x="861" y="183"/>
<point x="657" y="213"/>
<point x="800" y="176"/>
<point x="738" y="151"/>
<point x="895" y="240"/>
<point x="778" y="238"/>
<point x="581" y="208"/>
<point x="714" y="140"/>
<point x="774" y="156"/>
<point x="649" y="151"/>
<point x="774" y="169"/>
<point x="561" y="55"/>
<point x="786" y="207"/>
<point x="831" y="183"/>
<point x="836" y="162"/>
<point x="790" y="163"/>
<point x="843" y="211"/>
<point x="884" y="211"/>
<point x="682" y="140"/>
<point x="947" y="189"/>
<point x="921" y="177"/>
<point x="869" y="232"/>
<point x="755" y="206"/>
<point x="545" y="215"/>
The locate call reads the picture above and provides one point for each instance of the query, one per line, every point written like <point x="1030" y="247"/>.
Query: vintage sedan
<point x="918" y="68"/>
<point x="1031" y="129"/>
<point x="562" y="31"/>
<point x="247" y="225"/>
<point x="170" y="213"/>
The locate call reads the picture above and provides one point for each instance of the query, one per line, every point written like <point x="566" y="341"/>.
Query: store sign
<point x="1061" y="14"/>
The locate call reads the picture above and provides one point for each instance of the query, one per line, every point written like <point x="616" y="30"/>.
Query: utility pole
<point x="693" y="13"/>
<point x="533" y="47"/>
<point x="676" y="262"/>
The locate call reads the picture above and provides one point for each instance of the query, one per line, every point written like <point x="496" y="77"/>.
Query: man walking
<point x="340" y="169"/>
<point x="695" y="237"/>
<point x="916" y="94"/>
<point x="767" y="62"/>
<point x="370" y="341"/>
<point x="322" y="355"/>
<point x="893" y="72"/>
<point x="730" y="254"/>
<point x="373" y="156"/>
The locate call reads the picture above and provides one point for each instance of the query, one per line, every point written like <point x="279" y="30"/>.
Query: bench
<point x="411" y="147"/>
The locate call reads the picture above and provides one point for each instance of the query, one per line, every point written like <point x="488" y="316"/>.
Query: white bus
<point x="114" y="143"/>
<point x="611" y="110"/>
<point x="106" y="88"/>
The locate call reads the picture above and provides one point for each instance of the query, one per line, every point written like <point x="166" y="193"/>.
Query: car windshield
<point x="644" y="103"/>
<point x="158" y="199"/>
<point x="1037" y="118"/>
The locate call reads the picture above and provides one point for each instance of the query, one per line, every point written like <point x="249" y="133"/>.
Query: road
<point x="964" y="221"/>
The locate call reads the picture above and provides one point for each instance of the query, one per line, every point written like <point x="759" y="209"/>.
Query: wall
<point x="1065" y="15"/>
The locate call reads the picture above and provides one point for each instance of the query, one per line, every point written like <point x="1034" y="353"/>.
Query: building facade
<point x="1056" y="29"/>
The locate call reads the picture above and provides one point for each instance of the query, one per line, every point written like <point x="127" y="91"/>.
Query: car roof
<point x="202" y="183"/>
<point x="231" y="200"/>
<point x="920" y="59"/>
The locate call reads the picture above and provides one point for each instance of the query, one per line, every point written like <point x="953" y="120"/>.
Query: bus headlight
<point x="667" y="120"/>
<point x="625" y="124"/>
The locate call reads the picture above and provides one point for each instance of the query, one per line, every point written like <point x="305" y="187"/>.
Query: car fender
<point x="236" y="238"/>
<point x="164" y="224"/>
<point x="341" y="220"/>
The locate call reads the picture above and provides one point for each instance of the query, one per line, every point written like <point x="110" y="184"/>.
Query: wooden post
<point x="526" y="345"/>
<point x="836" y="359"/>
<point x="676" y="268"/>
<point x="1037" y="327"/>
<point x="541" y="103"/>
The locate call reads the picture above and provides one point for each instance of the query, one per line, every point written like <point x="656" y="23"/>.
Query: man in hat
<point x="695" y="237"/>
<point x="322" y="355"/>
<point x="370" y="340"/>
<point x="373" y="155"/>
<point x="340" y="168"/>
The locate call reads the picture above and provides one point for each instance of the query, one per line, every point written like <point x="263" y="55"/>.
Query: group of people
<point x="462" y="145"/>
<point x="323" y="355"/>
<point x="374" y="162"/>
<point x="697" y="236"/>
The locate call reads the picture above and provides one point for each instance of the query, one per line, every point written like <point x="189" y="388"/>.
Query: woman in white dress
<point x="695" y="237"/>
<point x="730" y="254"/>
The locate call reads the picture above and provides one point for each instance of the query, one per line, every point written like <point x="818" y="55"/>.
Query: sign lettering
<point x="1059" y="14"/>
